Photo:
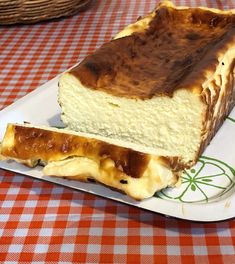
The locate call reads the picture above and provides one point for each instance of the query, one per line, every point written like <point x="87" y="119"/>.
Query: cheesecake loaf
<point x="81" y="157"/>
<point x="165" y="83"/>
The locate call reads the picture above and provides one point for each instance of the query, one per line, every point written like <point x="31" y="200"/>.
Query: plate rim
<point x="145" y="204"/>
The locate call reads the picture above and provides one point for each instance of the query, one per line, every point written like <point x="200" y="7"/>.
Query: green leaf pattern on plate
<point x="231" y="119"/>
<point x="208" y="179"/>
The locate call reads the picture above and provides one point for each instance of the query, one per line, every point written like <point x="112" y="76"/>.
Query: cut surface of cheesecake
<point x="78" y="156"/>
<point x="165" y="82"/>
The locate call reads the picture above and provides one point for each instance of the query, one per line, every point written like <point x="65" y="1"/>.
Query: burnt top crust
<point x="172" y="52"/>
<point x="34" y="143"/>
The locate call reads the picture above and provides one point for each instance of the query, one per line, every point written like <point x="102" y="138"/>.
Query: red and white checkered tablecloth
<point x="45" y="223"/>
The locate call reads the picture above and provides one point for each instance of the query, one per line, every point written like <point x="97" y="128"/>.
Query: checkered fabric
<point x="45" y="223"/>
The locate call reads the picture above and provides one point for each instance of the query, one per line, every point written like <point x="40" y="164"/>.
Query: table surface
<point x="45" y="223"/>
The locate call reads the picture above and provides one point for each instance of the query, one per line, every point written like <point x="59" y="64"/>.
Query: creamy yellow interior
<point x="160" y="125"/>
<point x="156" y="176"/>
<point x="170" y="126"/>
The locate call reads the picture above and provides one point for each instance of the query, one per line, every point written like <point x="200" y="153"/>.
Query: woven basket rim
<point x="32" y="11"/>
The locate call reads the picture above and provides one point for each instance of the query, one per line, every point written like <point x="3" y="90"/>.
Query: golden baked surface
<point x="64" y="153"/>
<point x="172" y="52"/>
<point x="31" y="143"/>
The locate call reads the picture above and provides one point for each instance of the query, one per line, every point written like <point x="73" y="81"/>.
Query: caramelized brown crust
<point x="38" y="144"/>
<point x="69" y="155"/>
<point x="212" y="123"/>
<point x="174" y="52"/>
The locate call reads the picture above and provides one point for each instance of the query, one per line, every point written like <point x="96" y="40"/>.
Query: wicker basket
<point x="31" y="11"/>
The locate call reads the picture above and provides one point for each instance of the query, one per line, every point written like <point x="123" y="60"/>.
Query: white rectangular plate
<point x="207" y="192"/>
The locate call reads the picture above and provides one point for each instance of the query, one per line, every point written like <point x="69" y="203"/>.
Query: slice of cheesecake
<point x="83" y="157"/>
<point x="165" y="83"/>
